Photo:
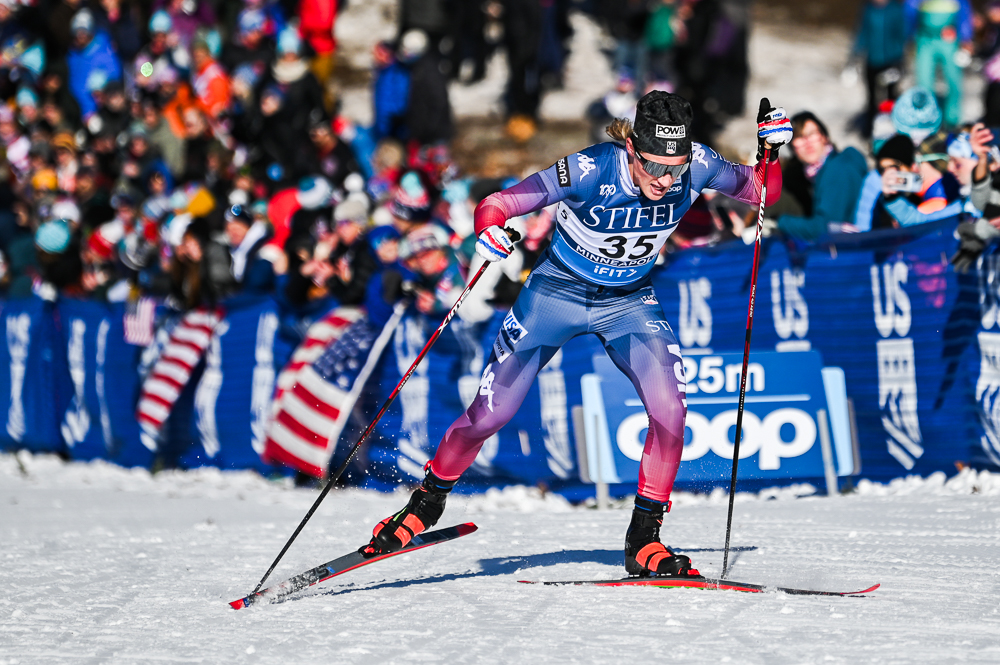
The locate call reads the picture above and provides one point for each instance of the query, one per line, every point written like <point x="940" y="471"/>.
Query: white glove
<point x="494" y="244"/>
<point x="767" y="229"/>
<point x="776" y="128"/>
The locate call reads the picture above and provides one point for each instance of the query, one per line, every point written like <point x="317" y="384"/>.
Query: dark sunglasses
<point x="657" y="170"/>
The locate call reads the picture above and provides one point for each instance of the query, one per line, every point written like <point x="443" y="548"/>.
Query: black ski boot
<point x="645" y="555"/>
<point x="422" y="512"/>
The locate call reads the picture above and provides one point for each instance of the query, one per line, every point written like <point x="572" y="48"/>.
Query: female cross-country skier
<point x="617" y="204"/>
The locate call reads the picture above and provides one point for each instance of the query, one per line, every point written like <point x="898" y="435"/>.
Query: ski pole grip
<point x="512" y="234"/>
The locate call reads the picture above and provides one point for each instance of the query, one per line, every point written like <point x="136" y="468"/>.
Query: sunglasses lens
<point x="659" y="170"/>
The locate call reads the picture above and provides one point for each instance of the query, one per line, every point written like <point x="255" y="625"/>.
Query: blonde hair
<point x="619" y="129"/>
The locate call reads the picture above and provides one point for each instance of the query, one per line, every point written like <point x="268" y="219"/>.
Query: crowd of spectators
<point x="191" y="150"/>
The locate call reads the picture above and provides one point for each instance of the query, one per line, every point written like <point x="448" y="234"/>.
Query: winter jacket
<point x="98" y="55"/>
<point x="391" y="97"/>
<point x="835" y="195"/>
<point x="882" y="33"/>
<point x="211" y="86"/>
<point x="363" y="266"/>
<point x="170" y="146"/>
<point x="316" y="19"/>
<point x="428" y="117"/>
<point x="302" y="94"/>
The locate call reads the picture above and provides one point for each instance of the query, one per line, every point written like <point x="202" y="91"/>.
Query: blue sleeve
<point x="78" y="72"/>
<point x="710" y="170"/>
<point x="964" y="21"/>
<point x="105" y="58"/>
<point x="871" y="190"/>
<point x="392" y="89"/>
<point x="904" y="212"/>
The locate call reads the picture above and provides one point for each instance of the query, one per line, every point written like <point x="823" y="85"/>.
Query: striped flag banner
<point x="318" y="337"/>
<point x="311" y="413"/>
<point x="163" y="385"/>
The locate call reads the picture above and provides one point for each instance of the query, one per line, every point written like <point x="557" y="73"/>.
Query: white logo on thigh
<point x="510" y="334"/>
<point x="486" y="386"/>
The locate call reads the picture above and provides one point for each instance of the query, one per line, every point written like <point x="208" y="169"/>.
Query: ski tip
<point x="858" y="593"/>
<point x="466" y="529"/>
<point x="243" y="602"/>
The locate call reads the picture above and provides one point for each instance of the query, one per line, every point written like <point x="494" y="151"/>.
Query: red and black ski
<point x="346" y="563"/>
<point x="703" y="583"/>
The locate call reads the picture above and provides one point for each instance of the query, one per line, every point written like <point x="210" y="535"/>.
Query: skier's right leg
<point x="548" y="312"/>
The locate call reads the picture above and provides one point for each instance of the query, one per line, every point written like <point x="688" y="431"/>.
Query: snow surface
<point x="108" y="565"/>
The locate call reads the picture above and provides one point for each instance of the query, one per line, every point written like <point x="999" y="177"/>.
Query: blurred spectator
<point x="664" y="29"/>
<point x="352" y="259"/>
<point x="469" y="40"/>
<point x="431" y="17"/>
<point x="881" y="39"/>
<point x="989" y="51"/>
<point x="944" y="40"/>
<point x="200" y="274"/>
<point x="425" y="251"/>
<point x="626" y="22"/>
<point x="391" y="93"/>
<point x="522" y="37"/>
<point x="161" y="56"/>
<point x="92" y="54"/>
<point x="836" y="178"/>
<point x="335" y="158"/>
<point x="120" y="19"/>
<point x="187" y="17"/>
<point x="898" y="178"/>
<point x="316" y="25"/>
<point x="712" y="63"/>
<point x="253" y="273"/>
<point x="618" y="103"/>
<point x="428" y="114"/>
<point x="249" y="52"/>
<point x="209" y="80"/>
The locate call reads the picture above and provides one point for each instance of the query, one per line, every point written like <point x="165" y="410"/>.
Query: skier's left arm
<point x="740" y="182"/>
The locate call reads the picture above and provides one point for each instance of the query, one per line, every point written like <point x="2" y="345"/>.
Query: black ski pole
<point x="746" y="360"/>
<point x="514" y="236"/>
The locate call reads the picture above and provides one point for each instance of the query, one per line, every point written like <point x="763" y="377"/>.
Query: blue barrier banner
<point x="232" y="397"/>
<point x="919" y="347"/>
<point x="983" y="297"/>
<point x="30" y="395"/>
<point x="102" y="379"/>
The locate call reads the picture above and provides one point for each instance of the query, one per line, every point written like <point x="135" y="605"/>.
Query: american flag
<point x="163" y="385"/>
<point x="310" y="414"/>
<point x="319" y="336"/>
<point x="138" y="321"/>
